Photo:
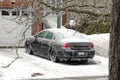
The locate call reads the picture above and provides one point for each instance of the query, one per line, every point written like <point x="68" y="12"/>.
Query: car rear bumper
<point x="76" y="54"/>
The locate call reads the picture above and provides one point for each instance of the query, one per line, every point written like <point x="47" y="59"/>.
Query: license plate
<point x="81" y="53"/>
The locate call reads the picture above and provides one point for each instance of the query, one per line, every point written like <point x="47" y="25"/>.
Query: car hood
<point x="75" y="40"/>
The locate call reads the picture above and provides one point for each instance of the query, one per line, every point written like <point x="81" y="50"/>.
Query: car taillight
<point x="92" y="45"/>
<point x="67" y="45"/>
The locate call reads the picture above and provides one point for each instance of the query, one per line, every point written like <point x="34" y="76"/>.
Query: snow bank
<point x="101" y="42"/>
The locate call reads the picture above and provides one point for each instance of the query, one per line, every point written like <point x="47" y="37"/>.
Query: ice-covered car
<point x="60" y="44"/>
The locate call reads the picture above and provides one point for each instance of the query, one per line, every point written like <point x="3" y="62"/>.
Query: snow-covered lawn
<point x="29" y="65"/>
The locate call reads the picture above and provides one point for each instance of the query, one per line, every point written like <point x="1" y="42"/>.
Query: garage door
<point x="11" y="32"/>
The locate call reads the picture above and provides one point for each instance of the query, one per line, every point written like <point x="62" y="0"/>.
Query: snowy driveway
<point x="32" y="67"/>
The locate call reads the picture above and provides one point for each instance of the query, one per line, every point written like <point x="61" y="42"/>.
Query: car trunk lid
<point x="78" y="44"/>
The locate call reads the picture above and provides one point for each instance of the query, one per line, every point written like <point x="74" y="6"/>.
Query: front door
<point x="45" y="43"/>
<point x="40" y="38"/>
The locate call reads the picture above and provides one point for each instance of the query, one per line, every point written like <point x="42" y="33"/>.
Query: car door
<point x="45" y="43"/>
<point x="38" y="42"/>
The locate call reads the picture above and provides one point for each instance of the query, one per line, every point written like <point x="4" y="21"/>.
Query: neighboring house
<point x="10" y="31"/>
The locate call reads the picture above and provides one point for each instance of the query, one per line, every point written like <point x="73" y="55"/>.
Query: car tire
<point x="28" y="48"/>
<point x="53" y="56"/>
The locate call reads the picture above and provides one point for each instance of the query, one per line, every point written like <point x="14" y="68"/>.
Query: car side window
<point x="49" y="35"/>
<point x="42" y="34"/>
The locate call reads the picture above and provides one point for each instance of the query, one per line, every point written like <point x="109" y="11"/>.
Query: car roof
<point x="58" y="30"/>
<point x="59" y="33"/>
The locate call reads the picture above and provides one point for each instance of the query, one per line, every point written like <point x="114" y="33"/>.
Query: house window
<point x="15" y="13"/>
<point x="5" y="13"/>
<point x="24" y="13"/>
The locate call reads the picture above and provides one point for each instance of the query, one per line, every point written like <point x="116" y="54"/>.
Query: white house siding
<point x="11" y="32"/>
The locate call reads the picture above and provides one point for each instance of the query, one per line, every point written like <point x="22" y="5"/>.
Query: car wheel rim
<point x="53" y="56"/>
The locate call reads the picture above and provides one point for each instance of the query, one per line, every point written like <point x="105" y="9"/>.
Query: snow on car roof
<point x="60" y="30"/>
<point x="66" y="33"/>
<point x="63" y="31"/>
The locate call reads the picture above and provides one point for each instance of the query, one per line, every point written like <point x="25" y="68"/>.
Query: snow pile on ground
<point x="33" y="67"/>
<point x="101" y="42"/>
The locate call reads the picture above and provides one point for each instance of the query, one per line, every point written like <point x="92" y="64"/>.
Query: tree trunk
<point x="114" y="56"/>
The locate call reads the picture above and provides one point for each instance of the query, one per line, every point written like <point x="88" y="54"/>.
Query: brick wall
<point x="13" y="3"/>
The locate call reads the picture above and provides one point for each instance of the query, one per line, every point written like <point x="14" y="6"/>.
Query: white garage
<point x="10" y="31"/>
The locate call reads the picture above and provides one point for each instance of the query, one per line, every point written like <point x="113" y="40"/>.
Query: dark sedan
<point x="60" y="44"/>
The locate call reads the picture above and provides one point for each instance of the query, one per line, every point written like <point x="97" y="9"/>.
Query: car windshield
<point x="70" y="34"/>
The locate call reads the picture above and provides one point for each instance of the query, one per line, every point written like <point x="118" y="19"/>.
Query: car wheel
<point x="53" y="56"/>
<point x="28" y="48"/>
